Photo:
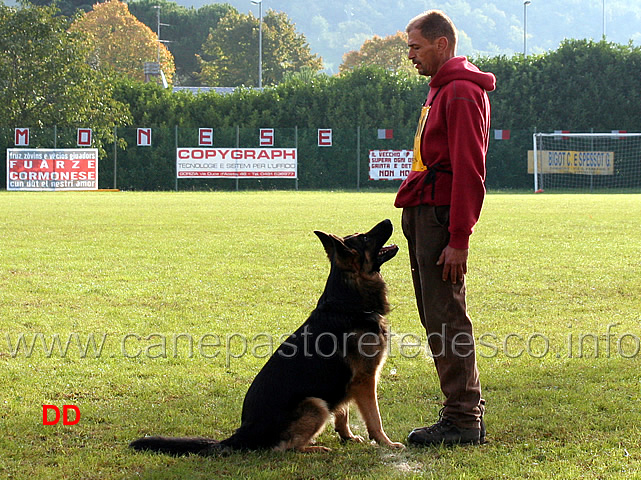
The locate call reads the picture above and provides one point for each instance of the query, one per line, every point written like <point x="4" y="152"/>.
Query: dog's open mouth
<point x="386" y="253"/>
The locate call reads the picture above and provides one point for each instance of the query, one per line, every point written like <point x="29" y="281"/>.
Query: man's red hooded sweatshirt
<point x="453" y="143"/>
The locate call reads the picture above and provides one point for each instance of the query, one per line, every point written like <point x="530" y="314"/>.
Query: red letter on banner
<point x="143" y="137"/>
<point x="21" y="137"/>
<point x="84" y="137"/>
<point x="324" y="137"/>
<point x="266" y="137"/>
<point x="205" y="137"/>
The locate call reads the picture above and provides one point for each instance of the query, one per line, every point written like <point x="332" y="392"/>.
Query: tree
<point x="45" y="79"/>
<point x="121" y="42"/>
<point x="67" y="8"/>
<point x="302" y="76"/>
<point x="389" y="52"/>
<point x="560" y="89"/>
<point x="231" y="50"/>
<point x="186" y="31"/>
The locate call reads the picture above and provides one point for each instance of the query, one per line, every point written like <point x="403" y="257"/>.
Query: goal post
<point x="586" y="161"/>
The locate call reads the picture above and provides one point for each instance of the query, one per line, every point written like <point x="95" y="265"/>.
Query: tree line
<point x="582" y="86"/>
<point x="215" y="45"/>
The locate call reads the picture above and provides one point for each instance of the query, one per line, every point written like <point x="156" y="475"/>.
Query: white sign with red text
<point x="236" y="162"/>
<point x="390" y="164"/>
<point x="52" y="169"/>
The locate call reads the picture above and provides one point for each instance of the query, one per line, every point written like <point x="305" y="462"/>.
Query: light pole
<point x="525" y="4"/>
<point x="603" y="19"/>
<point x="260" y="41"/>
<point x="158" y="25"/>
<point x="157" y="70"/>
<point x="157" y="7"/>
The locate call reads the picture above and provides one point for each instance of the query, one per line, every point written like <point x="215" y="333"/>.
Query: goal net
<point x="585" y="161"/>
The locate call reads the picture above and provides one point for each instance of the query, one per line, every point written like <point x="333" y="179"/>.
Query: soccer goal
<point x="586" y="161"/>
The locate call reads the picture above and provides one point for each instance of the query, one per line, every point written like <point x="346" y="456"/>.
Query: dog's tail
<point x="179" y="445"/>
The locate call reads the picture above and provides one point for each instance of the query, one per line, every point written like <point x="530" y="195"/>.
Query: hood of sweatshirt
<point x="458" y="68"/>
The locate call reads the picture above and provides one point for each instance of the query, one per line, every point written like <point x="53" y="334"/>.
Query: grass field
<point x="152" y="312"/>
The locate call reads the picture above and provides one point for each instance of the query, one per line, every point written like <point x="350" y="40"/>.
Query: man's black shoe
<point x="445" y="432"/>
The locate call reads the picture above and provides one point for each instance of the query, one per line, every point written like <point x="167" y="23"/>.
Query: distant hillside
<point x="493" y="27"/>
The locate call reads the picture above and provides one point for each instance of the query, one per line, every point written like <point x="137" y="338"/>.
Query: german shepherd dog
<point x="332" y="360"/>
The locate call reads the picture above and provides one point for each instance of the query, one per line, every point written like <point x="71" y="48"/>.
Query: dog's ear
<point x="334" y="246"/>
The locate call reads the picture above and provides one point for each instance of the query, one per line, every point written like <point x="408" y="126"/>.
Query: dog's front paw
<point x="314" y="448"/>
<point x="396" y="445"/>
<point x="353" y="438"/>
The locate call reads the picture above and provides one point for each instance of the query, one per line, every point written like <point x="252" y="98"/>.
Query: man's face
<point x="423" y="53"/>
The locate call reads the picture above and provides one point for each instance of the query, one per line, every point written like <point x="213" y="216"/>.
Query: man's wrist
<point x="459" y="241"/>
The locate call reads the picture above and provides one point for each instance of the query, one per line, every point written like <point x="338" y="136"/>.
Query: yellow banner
<point x="576" y="163"/>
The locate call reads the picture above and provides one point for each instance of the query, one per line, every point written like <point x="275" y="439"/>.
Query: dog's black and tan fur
<point x="332" y="360"/>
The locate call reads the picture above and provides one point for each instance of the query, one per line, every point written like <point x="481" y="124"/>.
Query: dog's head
<point x="361" y="253"/>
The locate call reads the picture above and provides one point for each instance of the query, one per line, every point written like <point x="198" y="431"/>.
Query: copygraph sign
<point x="236" y="162"/>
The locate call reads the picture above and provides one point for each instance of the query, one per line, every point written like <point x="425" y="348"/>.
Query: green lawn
<point x="152" y="312"/>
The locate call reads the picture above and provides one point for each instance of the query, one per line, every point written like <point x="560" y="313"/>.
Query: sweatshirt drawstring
<point x="430" y="176"/>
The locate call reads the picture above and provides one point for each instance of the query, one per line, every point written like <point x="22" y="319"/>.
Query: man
<point x="441" y="200"/>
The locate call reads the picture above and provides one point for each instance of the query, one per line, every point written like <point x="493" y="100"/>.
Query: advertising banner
<point x="236" y="163"/>
<point x="52" y="169"/>
<point x="575" y="163"/>
<point x="390" y="164"/>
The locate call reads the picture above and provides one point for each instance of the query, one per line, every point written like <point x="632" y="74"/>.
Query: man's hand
<point x="454" y="263"/>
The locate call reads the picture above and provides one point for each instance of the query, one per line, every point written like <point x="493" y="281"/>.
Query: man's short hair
<point x="434" y="24"/>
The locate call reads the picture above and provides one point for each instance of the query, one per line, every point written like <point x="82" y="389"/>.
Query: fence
<point x="343" y="165"/>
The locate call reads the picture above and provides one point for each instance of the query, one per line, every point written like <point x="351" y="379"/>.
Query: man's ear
<point x="442" y="44"/>
<point x="334" y="246"/>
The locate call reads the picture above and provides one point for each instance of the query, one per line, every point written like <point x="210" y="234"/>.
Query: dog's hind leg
<point x="311" y="416"/>
<point x="341" y="425"/>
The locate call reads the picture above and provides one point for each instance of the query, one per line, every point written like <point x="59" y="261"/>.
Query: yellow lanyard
<point x="417" y="163"/>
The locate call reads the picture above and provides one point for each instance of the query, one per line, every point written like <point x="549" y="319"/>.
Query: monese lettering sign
<point x="236" y="162"/>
